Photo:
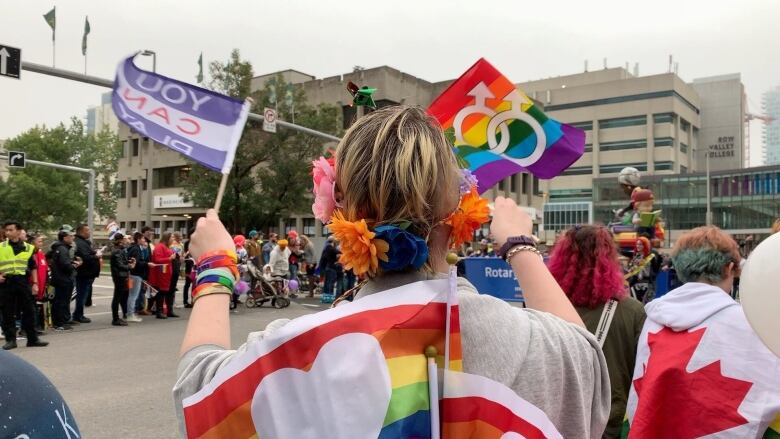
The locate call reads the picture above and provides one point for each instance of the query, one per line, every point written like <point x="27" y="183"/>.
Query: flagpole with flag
<point x="51" y="20"/>
<point x="84" y="42"/>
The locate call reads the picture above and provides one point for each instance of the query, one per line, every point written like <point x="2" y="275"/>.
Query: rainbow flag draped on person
<point x="356" y="371"/>
<point x="498" y="131"/>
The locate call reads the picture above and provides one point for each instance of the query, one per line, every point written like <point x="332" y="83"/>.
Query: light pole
<point x="149" y="161"/>
<point x="708" y="215"/>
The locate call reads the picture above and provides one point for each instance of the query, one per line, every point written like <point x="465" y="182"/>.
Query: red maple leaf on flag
<point x="680" y="404"/>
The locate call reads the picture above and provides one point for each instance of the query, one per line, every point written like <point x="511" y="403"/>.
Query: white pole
<point x="708" y="218"/>
<point x="91" y="201"/>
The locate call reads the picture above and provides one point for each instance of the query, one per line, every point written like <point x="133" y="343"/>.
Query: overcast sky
<point x="433" y="40"/>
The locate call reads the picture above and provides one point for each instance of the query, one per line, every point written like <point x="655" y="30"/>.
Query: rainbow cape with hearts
<point x="358" y="371"/>
<point x="497" y="130"/>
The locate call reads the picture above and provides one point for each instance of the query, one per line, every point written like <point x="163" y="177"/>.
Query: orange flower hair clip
<point x="360" y="251"/>
<point x="472" y="211"/>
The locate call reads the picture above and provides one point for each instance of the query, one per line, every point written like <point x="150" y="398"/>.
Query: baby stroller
<point x="262" y="291"/>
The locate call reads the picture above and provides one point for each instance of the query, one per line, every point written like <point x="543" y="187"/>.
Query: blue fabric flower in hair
<point x="406" y="249"/>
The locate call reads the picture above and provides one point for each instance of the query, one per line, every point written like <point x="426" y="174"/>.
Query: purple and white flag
<point x="201" y="124"/>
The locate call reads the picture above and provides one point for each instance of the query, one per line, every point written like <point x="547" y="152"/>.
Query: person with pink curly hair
<point x="585" y="264"/>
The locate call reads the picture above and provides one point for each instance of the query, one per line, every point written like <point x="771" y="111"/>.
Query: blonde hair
<point x="395" y="165"/>
<point x="776" y="226"/>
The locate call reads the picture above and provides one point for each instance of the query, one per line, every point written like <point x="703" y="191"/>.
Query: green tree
<point x="271" y="172"/>
<point x="43" y="198"/>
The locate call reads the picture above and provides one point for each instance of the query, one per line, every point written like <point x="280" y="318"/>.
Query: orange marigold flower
<point x="360" y="252"/>
<point x="472" y="212"/>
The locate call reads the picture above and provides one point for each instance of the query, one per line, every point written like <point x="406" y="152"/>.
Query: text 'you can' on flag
<point x="498" y="131"/>
<point x="199" y="123"/>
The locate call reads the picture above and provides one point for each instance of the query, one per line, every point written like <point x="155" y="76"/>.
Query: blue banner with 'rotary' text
<point x="493" y="276"/>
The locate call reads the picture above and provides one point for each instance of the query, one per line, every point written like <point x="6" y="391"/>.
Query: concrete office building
<point x="168" y="210"/>
<point x="722" y="131"/>
<point x="770" y="104"/>
<point x="651" y="123"/>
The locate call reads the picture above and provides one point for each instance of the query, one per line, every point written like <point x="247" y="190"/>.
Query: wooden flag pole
<point x="221" y="192"/>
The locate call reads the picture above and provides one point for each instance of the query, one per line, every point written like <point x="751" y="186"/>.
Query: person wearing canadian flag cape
<point x="417" y="352"/>
<point x="701" y="370"/>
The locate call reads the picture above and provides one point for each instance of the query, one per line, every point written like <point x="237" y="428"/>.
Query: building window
<point x="621" y="99"/>
<point x="663" y="141"/>
<point x="588" y="147"/>
<point x="614" y="169"/>
<point x="578" y="170"/>
<point x="122" y="225"/>
<point x="623" y="122"/>
<point x="623" y="144"/>
<point x="289" y="224"/>
<point x="135" y="147"/>
<point x="585" y="126"/>
<point x="663" y="118"/>
<point x="513" y="183"/>
<point x="664" y="166"/>
<point x="123" y="149"/>
<point x="683" y="169"/>
<point x="174" y="176"/>
<point x="684" y="125"/>
<point x="524" y="183"/>
<point x="563" y="215"/>
<point x="326" y="231"/>
<point x="683" y="147"/>
<point x="133" y="188"/>
<point x="143" y="184"/>
<point x="570" y="194"/>
<point x="536" y="186"/>
<point x="132" y="226"/>
<point x="308" y="226"/>
<point x="156" y="227"/>
<point x="121" y="187"/>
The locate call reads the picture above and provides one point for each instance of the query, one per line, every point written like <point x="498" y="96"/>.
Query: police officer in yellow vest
<point x="16" y="292"/>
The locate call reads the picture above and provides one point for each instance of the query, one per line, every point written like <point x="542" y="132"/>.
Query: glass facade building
<point x="743" y="201"/>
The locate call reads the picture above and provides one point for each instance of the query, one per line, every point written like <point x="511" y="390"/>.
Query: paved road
<point x="118" y="380"/>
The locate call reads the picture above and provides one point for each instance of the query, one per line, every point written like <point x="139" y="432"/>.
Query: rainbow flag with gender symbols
<point x="497" y="131"/>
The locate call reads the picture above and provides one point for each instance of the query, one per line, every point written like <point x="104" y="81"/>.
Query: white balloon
<point x="759" y="292"/>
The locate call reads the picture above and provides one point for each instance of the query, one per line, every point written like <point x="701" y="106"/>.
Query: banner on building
<point x="201" y="124"/>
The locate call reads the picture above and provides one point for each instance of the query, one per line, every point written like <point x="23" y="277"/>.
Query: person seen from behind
<point x="700" y="368"/>
<point x="395" y="165"/>
<point x="585" y="264"/>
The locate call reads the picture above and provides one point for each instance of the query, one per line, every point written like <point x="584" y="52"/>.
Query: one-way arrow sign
<point x="10" y="61"/>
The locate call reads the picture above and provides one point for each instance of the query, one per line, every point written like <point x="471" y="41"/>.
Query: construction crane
<point x="767" y="119"/>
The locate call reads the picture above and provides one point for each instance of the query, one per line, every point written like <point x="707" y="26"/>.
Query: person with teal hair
<point x="697" y="349"/>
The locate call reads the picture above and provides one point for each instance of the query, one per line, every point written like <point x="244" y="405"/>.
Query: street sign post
<point x="10" y="61"/>
<point x="269" y="120"/>
<point x="16" y="159"/>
